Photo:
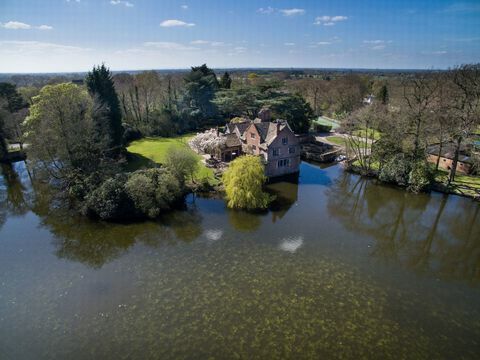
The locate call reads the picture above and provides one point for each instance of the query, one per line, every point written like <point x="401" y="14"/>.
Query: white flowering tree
<point x="208" y="142"/>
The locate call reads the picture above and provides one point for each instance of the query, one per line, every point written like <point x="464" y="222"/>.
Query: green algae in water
<point x="305" y="281"/>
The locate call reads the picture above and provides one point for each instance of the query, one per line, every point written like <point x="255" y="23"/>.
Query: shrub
<point x="153" y="191"/>
<point x="182" y="163"/>
<point x="420" y="177"/>
<point x="322" y="127"/>
<point x="396" y="170"/>
<point x="243" y="182"/>
<point x="110" y="201"/>
<point x="142" y="194"/>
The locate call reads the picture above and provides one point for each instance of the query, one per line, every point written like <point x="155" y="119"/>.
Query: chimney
<point x="265" y="115"/>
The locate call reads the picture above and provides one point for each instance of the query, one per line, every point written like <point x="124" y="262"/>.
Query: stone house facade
<point x="274" y="141"/>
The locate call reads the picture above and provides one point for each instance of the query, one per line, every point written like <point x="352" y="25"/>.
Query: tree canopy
<point x="244" y="180"/>
<point x="201" y="84"/>
<point x="101" y="87"/>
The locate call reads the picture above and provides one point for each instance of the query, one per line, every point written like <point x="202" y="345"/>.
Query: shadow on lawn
<point x="137" y="162"/>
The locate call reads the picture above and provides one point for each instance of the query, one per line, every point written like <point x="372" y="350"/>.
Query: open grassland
<point x="155" y="149"/>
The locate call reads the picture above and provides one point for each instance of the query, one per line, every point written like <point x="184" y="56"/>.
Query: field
<point x="155" y="149"/>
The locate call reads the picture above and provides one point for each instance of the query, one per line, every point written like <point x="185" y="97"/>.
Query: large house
<point x="273" y="140"/>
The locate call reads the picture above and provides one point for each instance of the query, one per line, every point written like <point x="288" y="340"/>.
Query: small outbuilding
<point x="447" y="154"/>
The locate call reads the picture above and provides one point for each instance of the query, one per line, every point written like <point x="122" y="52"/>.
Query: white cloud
<point x="45" y="27"/>
<point x="175" y="23"/>
<point x="440" y="52"/>
<point x="30" y="47"/>
<point x="16" y="25"/>
<point x="184" y="7"/>
<point x="376" y="42"/>
<point x="167" y="45"/>
<point x="292" y="12"/>
<point x="289" y="44"/>
<point x="199" y="42"/>
<point x="121" y="2"/>
<point x="74" y="1"/>
<point x="267" y="10"/>
<point x="326" y="20"/>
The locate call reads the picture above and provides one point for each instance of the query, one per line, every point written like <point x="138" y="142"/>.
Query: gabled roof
<point x="232" y="140"/>
<point x="240" y="126"/>
<point x="448" y="152"/>
<point x="269" y="130"/>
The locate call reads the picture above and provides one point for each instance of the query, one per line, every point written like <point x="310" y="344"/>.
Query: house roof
<point x="448" y="152"/>
<point x="240" y="126"/>
<point x="269" y="130"/>
<point x="232" y="140"/>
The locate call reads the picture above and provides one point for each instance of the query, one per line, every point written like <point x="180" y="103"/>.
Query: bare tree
<point x="465" y="107"/>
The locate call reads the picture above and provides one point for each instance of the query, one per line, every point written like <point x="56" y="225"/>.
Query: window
<point x="276" y="152"/>
<point x="285" y="141"/>
<point x="283" y="163"/>
<point x="254" y="147"/>
<point x="291" y="150"/>
<point x="252" y="135"/>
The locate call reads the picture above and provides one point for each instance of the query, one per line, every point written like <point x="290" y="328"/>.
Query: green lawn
<point x="463" y="184"/>
<point x="338" y="140"/>
<point x="155" y="149"/>
<point x="361" y="133"/>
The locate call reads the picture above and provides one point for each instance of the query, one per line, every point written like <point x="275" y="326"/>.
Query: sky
<point x="74" y="35"/>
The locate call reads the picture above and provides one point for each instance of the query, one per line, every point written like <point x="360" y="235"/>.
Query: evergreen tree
<point x="383" y="95"/>
<point x="226" y="81"/>
<point x="201" y="84"/>
<point x="14" y="100"/>
<point x="101" y="87"/>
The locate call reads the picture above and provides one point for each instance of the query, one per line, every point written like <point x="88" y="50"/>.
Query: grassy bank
<point x="155" y="150"/>
<point x="465" y="185"/>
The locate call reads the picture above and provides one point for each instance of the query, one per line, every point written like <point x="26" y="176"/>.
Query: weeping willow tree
<point x="244" y="180"/>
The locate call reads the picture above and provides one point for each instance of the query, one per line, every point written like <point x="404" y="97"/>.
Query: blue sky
<point x="73" y="35"/>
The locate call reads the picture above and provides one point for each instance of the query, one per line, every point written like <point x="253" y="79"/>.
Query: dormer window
<point x="284" y="141"/>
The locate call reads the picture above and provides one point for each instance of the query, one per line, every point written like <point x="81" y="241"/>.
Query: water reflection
<point x="426" y="233"/>
<point x="286" y="195"/>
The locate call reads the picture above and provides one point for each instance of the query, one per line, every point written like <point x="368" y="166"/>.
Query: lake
<point x="340" y="267"/>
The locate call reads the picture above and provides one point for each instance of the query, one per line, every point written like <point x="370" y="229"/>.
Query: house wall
<point x="253" y="143"/>
<point x="447" y="164"/>
<point x="272" y="167"/>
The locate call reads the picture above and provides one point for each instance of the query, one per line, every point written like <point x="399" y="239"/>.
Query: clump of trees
<point x="141" y="194"/>
<point x="248" y="100"/>
<point x="391" y="138"/>
<point x="244" y="180"/>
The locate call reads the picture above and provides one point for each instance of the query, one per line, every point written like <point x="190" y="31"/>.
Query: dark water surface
<point x="341" y="268"/>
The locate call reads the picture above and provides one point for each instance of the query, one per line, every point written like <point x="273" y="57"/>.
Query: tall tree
<point x="101" y="87"/>
<point x="201" y="84"/>
<point x="3" y="143"/>
<point x="420" y="95"/>
<point x="226" y="81"/>
<point x="60" y="129"/>
<point x="465" y="107"/>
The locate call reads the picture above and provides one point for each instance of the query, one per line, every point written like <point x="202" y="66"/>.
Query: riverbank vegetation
<point x="392" y="138"/>
<point x="110" y="126"/>
<point x="244" y="180"/>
